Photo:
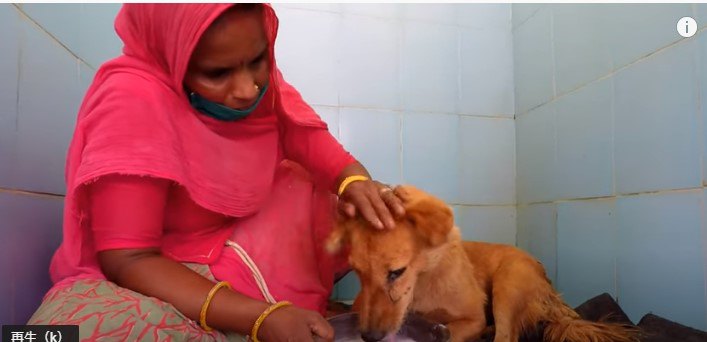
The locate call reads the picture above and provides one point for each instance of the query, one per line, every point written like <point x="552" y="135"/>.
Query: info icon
<point x="687" y="27"/>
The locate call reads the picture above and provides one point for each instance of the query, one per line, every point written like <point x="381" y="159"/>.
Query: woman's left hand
<point x="374" y="201"/>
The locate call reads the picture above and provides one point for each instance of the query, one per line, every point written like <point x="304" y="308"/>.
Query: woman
<point x="194" y="162"/>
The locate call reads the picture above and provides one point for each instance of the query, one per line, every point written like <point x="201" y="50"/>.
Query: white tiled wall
<point x="486" y="79"/>
<point x="495" y="224"/>
<point x="533" y="81"/>
<point x="487" y="17"/>
<point x="487" y="170"/>
<point x="48" y="57"/>
<point x="652" y="28"/>
<point x="584" y="142"/>
<point x="423" y="156"/>
<point x="309" y="63"/>
<point x="586" y="249"/>
<point x="537" y="234"/>
<point x="362" y="129"/>
<point x="579" y="60"/>
<point x="86" y="30"/>
<point x="9" y="73"/>
<point x="369" y="62"/>
<point x="31" y="231"/>
<point x="536" y="155"/>
<point x="421" y="94"/>
<point x="656" y="122"/>
<point x="658" y="261"/>
<point x="430" y="67"/>
<point x="610" y="134"/>
<point x="49" y="96"/>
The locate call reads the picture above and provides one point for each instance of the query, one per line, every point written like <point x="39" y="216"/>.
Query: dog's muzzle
<point x="373" y="336"/>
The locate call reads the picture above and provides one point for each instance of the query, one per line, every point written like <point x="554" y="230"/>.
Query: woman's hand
<point x="374" y="201"/>
<point x="291" y="323"/>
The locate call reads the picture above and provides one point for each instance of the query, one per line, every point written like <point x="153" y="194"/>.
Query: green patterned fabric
<point x="105" y="311"/>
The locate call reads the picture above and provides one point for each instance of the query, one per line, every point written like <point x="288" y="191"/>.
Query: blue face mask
<point x="221" y="112"/>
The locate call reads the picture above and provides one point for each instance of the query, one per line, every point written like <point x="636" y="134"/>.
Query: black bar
<point x="40" y="333"/>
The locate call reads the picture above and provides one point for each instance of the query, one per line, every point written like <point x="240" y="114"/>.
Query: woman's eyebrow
<point x="262" y="54"/>
<point x="210" y="65"/>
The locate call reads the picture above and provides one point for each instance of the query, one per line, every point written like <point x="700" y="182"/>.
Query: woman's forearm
<point x="352" y="169"/>
<point x="150" y="273"/>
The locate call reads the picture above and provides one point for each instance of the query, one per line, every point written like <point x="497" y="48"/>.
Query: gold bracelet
<point x="350" y="179"/>
<point x="263" y="316"/>
<point x="205" y="306"/>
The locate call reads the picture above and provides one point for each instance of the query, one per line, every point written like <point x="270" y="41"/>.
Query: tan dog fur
<point x="453" y="282"/>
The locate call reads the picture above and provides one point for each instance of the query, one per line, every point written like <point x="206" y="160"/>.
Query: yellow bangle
<point x="205" y="306"/>
<point x="350" y="179"/>
<point x="263" y="316"/>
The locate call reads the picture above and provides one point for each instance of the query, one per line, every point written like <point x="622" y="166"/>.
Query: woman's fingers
<point x="322" y="330"/>
<point x="376" y="202"/>
<point x="393" y="202"/>
<point x="346" y="208"/>
<point x="382" y="212"/>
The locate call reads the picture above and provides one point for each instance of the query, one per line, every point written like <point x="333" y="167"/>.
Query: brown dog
<point x="423" y="266"/>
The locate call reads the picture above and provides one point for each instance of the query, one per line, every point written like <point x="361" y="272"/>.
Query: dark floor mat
<point x="658" y="329"/>
<point x="603" y="307"/>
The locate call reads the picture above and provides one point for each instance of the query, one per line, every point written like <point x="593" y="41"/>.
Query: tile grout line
<point x="701" y="134"/>
<point x="27" y="17"/>
<point x="556" y="256"/>
<point x="467" y="205"/>
<point x="612" y="73"/>
<point x="612" y="112"/>
<point x="31" y="193"/>
<point x="20" y="50"/>
<point x="700" y="127"/>
<point x="459" y="34"/>
<point x="402" y="110"/>
<point x="401" y="148"/>
<point x="399" y="56"/>
<point x="618" y="196"/>
<point x="526" y="19"/>
<point x="553" y="72"/>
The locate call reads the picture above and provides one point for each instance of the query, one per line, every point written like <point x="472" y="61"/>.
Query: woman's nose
<point x="244" y="89"/>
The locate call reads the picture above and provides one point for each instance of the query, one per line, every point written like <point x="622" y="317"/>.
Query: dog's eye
<point x="395" y="274"/>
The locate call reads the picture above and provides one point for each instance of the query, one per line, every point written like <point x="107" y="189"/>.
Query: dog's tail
<point x="565" y="325"/>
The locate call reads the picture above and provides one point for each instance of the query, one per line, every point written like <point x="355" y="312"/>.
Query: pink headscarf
<point x="136" y="119"/>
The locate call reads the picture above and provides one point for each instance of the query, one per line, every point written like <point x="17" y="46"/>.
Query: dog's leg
<point x="515" y="294"/>
<point x="470" y="325"/>
<point x="505" y="314"/>
<point x="488" y="332"/>
<point x="463" y="330"/>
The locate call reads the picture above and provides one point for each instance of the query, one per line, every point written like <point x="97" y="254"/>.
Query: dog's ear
<point x="431" y="217"/>
<point x="339" y="236"/>
<point x="432" y="221"/>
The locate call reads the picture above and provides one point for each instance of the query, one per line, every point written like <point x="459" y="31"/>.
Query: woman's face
<point x="231" y="61"/>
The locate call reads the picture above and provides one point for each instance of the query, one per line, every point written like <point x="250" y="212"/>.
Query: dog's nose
<point x="372" y="336"/>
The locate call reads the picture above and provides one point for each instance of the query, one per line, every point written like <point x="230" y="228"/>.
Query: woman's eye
<point x="395" y="274"/>
<point x="217" y="73"/>
<point x="258" y="60"/>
